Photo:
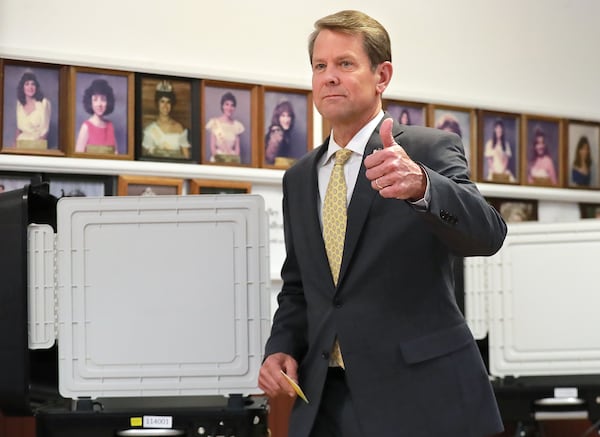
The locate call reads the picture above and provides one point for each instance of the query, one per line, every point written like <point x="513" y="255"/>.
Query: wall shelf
<point x="45" y="164"/>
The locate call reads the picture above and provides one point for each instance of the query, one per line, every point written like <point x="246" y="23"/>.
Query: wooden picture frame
<point x="215" y="186"/>
<point x="589" y="210"/>
<point x="130" y="185"/>
<point x="542" y="151"/>
<point x="287" y="126"/>
<point x="32" y="96"/>
<point x="515" y="210"/>
<point x="229" y="123"/>
<point x="461" y="121"/>
<point x="76" y="185"/>
<point x="582" y="172"/>
<point x="498" y="162"/>
<point x="166" y="108"/>
<point x="406" y="113"/>
<point x="108" y="133"/>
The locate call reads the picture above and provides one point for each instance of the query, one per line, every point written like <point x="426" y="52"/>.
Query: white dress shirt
<point x="357" y="144"/>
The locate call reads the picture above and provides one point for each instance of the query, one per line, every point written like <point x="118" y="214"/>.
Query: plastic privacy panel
<point x="542" y="298"/>
<point x="41" y="286"/>
<point x="476" y="296"/>
<point x="164" y="295"/>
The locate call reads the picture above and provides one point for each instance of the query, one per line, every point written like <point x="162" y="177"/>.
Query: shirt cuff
<point x="422" y="205"/>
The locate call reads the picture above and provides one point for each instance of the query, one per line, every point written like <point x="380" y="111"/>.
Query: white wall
<point x="531" y="56"/>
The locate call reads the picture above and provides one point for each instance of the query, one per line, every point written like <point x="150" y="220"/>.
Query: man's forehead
<point x="352" y="48"/>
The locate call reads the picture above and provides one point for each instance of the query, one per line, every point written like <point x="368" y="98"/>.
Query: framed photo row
<point x="85" y="112"/>
<point x="75" y="185"/>
<point x="110" y="114"/>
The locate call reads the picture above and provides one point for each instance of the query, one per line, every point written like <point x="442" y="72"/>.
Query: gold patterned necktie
<point x="334" y="228"/>
<point x="334" y="214"/>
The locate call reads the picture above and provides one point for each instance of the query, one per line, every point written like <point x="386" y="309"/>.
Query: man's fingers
<point x="385" y="132"/>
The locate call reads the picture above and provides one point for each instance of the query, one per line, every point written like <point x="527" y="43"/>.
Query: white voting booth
<point x="537" y="302"/>
<point x="160" y="297"/>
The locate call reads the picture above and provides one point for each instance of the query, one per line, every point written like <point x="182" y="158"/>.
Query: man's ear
<point x="384" y="73"/>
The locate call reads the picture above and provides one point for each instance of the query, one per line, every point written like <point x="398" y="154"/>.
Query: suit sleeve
<point x="458" y="213"/>
<point x="288" y="332"/>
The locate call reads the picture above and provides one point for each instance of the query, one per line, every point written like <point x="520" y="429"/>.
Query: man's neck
<point x="344" y="132"/>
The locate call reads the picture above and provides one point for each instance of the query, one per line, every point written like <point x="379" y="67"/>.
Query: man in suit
<point x="409" y="366"/>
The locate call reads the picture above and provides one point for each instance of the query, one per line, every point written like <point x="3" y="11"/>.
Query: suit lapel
<point x="311" y="203"/>
<point x="362" y="200"/>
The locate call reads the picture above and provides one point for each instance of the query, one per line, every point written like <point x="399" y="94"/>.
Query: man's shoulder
<point x="426" y="132"/>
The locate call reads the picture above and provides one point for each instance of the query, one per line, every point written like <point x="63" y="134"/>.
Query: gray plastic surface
<point x="541" y="300"/>
<point x="161" y="296"/>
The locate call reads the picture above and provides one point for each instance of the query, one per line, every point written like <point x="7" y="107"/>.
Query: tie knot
<point x="341" y="156"/>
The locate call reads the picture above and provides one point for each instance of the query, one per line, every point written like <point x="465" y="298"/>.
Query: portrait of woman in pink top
<point x="97" y="133"/>
<point x="542" y="164"/>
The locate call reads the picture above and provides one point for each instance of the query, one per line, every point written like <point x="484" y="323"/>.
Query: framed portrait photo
<point x="214" y="186"/>
<point x="287" y="120"/>
<point x="462" y="122"/>
<point x="542" y="151"/>
<point x="32" y="102"/>
<point x="165" y="108"/>
<point x="14" y="180"/>
<point x="498" y="147"/>
<point x="406" y="113"/>
<point x="515" y="210"/>
<point x="582" y="154"/>
<point x="229" y="122"/>
<point x="70" y="185"/>
<point x="148" y="186"/>
<point x="589" y="210"/>
<point x="101" y="108"/>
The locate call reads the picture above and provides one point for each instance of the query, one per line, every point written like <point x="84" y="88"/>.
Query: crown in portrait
<point x="164" y="86"/>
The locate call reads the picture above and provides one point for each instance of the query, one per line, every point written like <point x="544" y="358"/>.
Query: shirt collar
<point x="358" y="143"/>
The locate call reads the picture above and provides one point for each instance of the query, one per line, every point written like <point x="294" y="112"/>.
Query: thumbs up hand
<point x="392" y="172"/>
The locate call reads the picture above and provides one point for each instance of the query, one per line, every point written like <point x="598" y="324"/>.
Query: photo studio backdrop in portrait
<point x="536" y="319"/>
<point x="134" y="315"/>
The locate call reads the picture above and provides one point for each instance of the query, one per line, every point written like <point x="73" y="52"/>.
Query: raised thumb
<point x="385" y="132"/>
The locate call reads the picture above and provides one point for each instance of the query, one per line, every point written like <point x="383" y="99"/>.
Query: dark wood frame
<point x="515" y="146"/>
<point x="75" y="105"/>
<point x="589" y="210"/>
<point x="570" y="149"/>
<point x="124" y="181"/>
<point x="249" y="119"/>
<point x="57" y="107"/>
<point x="266" y="115"/>
<point x="216" y="186"/>
<point x="471" y="129"/>
<point x="556" y="151"/>
<point x="396" y="107"/>
<point x="500" y="203"/>
<point x="184" y="111"/>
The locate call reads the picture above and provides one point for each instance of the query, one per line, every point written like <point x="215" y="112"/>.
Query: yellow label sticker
<point x="135" y="421"/>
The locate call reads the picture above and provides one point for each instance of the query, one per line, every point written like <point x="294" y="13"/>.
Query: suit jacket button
<point x="325" y="355"/>
<point x="337" y="303"/>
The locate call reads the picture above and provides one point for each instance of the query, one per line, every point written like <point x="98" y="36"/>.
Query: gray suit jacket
<point x="412" y="366"/>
